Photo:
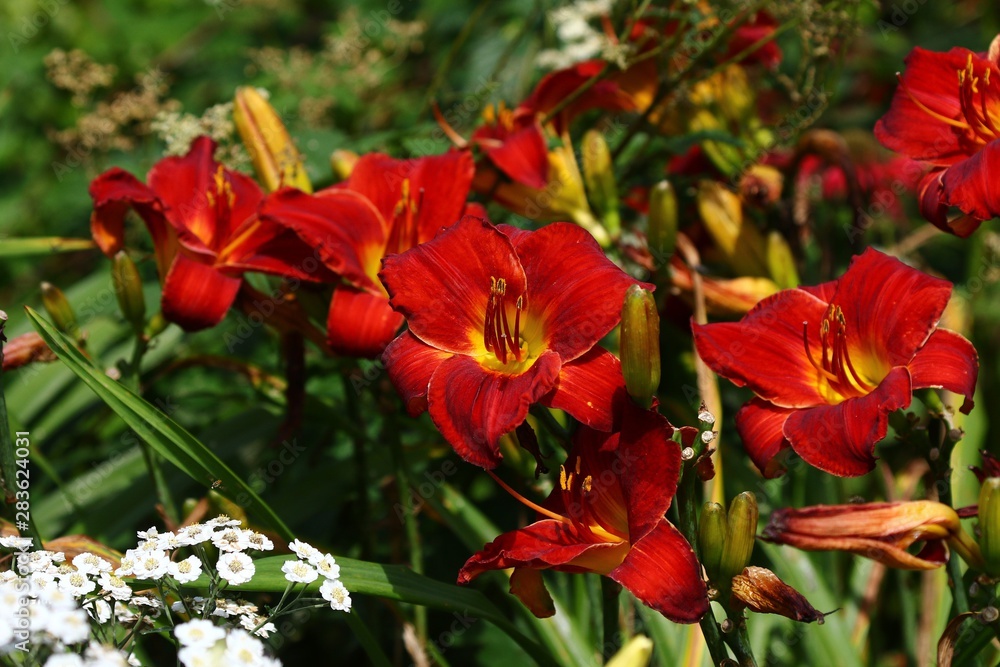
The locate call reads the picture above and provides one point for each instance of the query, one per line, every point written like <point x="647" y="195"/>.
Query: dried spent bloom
<point x="760" y="590"/>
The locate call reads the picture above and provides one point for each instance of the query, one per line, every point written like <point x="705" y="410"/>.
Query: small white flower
<point x="328" y="567"/>
<point x="56" y="598"/>
<point x="336" y="594"/>
<point x="44" y="581"/>
<point x="199" y="632"/>
<point x="236" y="568"/>
<point x="146" y="601"/>
<point x="64" y="660"/>
<point x="77" y="584"/>
<point x="69" y="626"/>
<point x="196" y="533"/>
<point x="100" y="655"/>
<point x="185" y="571"/>
<point x="99" y="610"/>
<point x="170" y="541"/>
<point x="151" y="565"/>
<point x="251" y="621"/>
<point x="202" y="656"/>
<point x="115" y="585"/>
<point x="231" y="539"/>
<point x="243" y="649"/>
<point x="306" y="551"/>
<point x="150" y="534"/>
<point x="16" y="542"/>
<point x="89" y="563"/>
<point x="127" y="563"/>
<point x="299" y="572"/>
<point x="8" y="575"/>
<point x="222" y="521"/>
<point x="259" y="541"/>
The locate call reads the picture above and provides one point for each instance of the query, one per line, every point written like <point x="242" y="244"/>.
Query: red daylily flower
<point x="946" y="112"/>
<point x="829" y="363"/>
<point x="206" y="234"/>
<point x="501" y="318"/>
<point x="387" y="206"/>
<point x="607" y="517"/>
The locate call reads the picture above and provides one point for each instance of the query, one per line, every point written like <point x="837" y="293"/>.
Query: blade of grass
<point x="164" y="435"/>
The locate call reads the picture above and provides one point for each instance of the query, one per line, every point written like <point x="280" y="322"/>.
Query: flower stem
<point x="688" y="514"/>
<point x="410" y="522"/>
<point x="610" y="594"/>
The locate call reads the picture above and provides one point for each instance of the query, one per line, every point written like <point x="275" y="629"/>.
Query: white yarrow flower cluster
<point x="312" y="564"/>
<point x="205" y="644"/>
<point x="574" y="24"/>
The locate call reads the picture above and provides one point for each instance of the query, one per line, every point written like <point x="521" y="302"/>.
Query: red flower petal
<point x="760" y="426"/>
<point x="557" y="86"/>
<point x="440" y="183"/>
<point x="541" y="545"/>
<point x="410" y="364"/>
<point x="442" y="286"/>
<point x="529" y="587"/>
<point x="662" y="571"/>
<point x="195" y="295"/>
<point x="184" y="185"/>
<point x="931" y="78"/>
<point x="971" y="184"/>
<point x="651" y="465"/>
<point x="824" y="291"/>
<point x="765" y="350"/>
<point x="890" y="307"/>
<point x="947" y="361"/>
<point x="590" y="387"/>
<point x="114" y="192"/>
<point x="523" y="156"/>
<point x="576" y="292"/>
<point x="344" y="228"/>
<point x="473" y="407"/>
<point x="840" y="439"/>
<point x="274" y="249"/>
<point x="360" y="324"/>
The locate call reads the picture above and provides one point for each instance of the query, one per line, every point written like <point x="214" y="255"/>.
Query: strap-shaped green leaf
<point x="168" y="438"/>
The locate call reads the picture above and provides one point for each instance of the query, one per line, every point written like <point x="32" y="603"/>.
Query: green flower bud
<point x="640" y="345"/>
<point x="599" y="176"/>
<point x="740" y="536"/>
<point x="712" y="537"/>
<point x="989" y="523"/>
<point x="57" y="306"/>
<point x="662" y="231"/>
<point x="128" y="290"/>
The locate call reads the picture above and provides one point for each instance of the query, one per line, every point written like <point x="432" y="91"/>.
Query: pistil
<point x="403" y="232"/>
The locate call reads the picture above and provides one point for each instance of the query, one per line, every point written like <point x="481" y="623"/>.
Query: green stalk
<point x="610" y="595"/>
<point x="412" y="529"/>
<point x="133" y="381"/>
<point x="375" y="653"/>
<point x="687" y="509"/>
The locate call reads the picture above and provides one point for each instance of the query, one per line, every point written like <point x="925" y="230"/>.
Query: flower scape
<point x="577" y="333"/>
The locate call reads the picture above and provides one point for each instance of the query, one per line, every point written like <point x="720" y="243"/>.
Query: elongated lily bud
<point x="57" y="306"/>
<point x="275" y="158"/>
<point x="740" y="536"/>
<point x="640" y="345"/>
<point x="662" y="232"/>
<point x="989" y="523"/>
<point x="128" y="290"/>
<point x="599" y="176"/>
<point x="342" y="163"/>
<point x="712" y="538"/>
<point x="636" y="653"/>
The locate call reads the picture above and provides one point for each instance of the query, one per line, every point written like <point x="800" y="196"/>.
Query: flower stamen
<point x="497" y="335"/>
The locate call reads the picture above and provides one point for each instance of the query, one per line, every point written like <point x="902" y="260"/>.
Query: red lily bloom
<point x="501" y="318"/>
<point x="829" y="363"/>
<point x="387" y="206"/>
<point x="205" y="230"/>
<point x="946" y="112"/>
<point x="607" y="517"/>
